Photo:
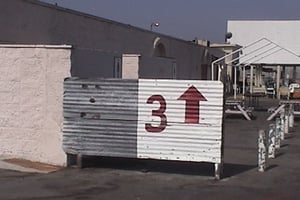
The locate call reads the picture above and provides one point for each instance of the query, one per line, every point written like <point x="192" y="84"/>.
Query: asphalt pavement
<point x="106" y="178"/>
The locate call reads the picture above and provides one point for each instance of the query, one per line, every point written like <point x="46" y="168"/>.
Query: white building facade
<point x="273" y="44"/>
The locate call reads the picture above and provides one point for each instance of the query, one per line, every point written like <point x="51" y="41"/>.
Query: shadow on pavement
<point x="231" y="169"/>
<point x="238" y="117"/>
<point x="271" y="167"/>
<point x="163" y="166"/>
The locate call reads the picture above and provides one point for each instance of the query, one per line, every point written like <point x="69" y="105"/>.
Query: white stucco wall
<point x="31" y="93"/>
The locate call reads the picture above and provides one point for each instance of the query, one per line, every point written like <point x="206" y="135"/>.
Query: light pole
<point x="156" y="24"/>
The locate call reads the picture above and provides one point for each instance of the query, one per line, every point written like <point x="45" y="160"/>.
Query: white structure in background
<point x="283" y="33"/>
<point x="272" y="44"/>
<point x="31" y="94"/>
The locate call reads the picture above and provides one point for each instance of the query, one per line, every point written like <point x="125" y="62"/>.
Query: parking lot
<point x="105" y="178"/>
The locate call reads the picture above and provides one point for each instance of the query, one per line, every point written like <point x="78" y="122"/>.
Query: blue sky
<point x="186" y="19"/>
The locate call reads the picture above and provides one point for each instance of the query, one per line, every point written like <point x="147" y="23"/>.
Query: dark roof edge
<point x="75" y="12"/>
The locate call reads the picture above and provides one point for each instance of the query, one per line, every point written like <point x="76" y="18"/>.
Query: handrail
<point x="227" y="55"/>
<point x="253" y="51"/>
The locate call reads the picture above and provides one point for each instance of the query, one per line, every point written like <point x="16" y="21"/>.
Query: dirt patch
<point x="33" y="165"/>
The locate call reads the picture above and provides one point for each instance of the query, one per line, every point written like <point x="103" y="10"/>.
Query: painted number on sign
<point x="191" y="96"/>
<point x="159" y="113"/>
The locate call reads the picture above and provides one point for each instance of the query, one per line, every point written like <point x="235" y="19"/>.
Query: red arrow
<point x="192" y="97"/>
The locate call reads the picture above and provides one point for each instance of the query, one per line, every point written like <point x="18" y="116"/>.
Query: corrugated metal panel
<point x="182" y="138"/>
<point x="100" y="117"/>
<point x="160" y="119"/>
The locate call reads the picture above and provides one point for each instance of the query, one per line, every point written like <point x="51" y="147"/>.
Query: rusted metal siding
<point x="181" y="139"/>
<point x="100" y="117"/>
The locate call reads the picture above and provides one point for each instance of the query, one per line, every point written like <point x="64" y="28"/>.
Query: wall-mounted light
<point x="156" y="24"/>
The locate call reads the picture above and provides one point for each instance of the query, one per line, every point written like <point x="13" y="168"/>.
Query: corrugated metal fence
<point x="145" y="118"/>
<point x="100" y="117"/>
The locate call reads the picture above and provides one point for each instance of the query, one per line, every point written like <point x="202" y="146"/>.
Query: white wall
<point x="284" y="33"/>
<point x="31" y="93"/>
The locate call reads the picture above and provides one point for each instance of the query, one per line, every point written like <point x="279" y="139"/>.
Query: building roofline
<point x="217" y="45"/>
<point x="64" y="46"/>
<point x="265" y="20"/>
<point x="101" y="19"/>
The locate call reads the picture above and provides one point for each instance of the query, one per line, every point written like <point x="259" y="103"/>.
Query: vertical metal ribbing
<point x="100" y="117"/>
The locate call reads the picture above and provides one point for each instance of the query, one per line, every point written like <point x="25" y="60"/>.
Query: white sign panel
<point x="180" y="120"/>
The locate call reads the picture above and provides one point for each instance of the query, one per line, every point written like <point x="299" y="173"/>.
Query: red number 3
<point x="158" y="113"/>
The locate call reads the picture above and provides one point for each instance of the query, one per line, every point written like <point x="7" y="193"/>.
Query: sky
<point x="186" y="19"/>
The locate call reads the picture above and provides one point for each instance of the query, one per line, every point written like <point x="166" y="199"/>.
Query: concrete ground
<point x="105" y="178"/>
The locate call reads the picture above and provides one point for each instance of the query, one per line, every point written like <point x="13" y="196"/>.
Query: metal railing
<point x="269" y="141"/>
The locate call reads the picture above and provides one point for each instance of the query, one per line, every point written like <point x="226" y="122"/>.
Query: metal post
<point x="212" y="71"/>
<point x="271" y="141"/>
<point x="220" y="67"/>
<point x="218" y="170"/>
<point x="286" y="121"/>
<point x="71" y="160"/>
<point x="282" y="124"/>
<point x="251" y="79"/>
<point x="278" y="82"/>
<point x="79" y="161"/>
<point x="277" y="133"/>
<point x="235" y="85"/>
<point x="256" y="77"/>
<point x="291" y="116"/>
<point x="262" y="151"/>
<point x="244" y="81"/>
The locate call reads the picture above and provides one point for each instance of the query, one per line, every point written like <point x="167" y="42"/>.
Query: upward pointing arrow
<point x="192" y="97"/>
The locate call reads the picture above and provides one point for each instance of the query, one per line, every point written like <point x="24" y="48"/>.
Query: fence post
<point x="271" y="141"/>
<point x="291" y="115"/>
<point x="218" y="170"/>
<point x="286" y="121"/>
<point x="262" y="151"/>
<point x="277" y="133"/>
<point x="282" y="125"/>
